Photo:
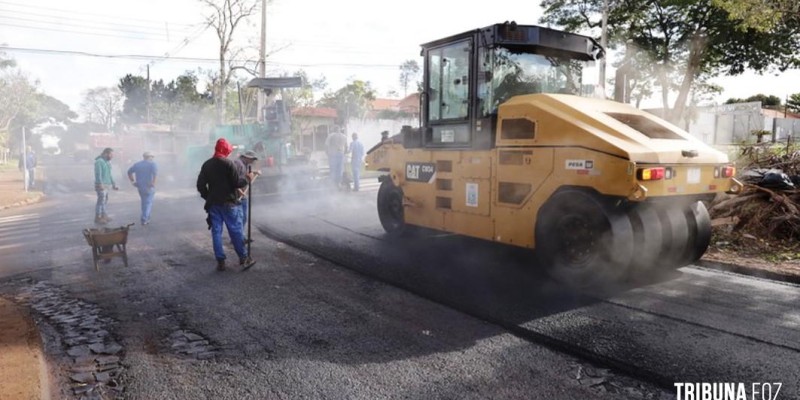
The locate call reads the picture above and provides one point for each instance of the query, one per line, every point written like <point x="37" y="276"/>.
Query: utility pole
<point x="603" y="44"/>
<point x="24" y="161"/>
<point x="148" y="93"/>
<point x="262" y="61"/>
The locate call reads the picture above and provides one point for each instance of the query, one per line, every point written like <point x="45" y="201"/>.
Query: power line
<point x="152" y="36"/>
<point x="66" y="11"/>
<point x="81" y="33"/>
<point x="162" y="35"/>
<point x="68" y="24"/>
<point x="185" y="42"/>
<point x="98" y="55"/>
<point x="191" y="59"/>
<point x="331" y="43"/>
<point x="60" y="20"/>
<point x="343" y="48"/>
<point x="349" y="65"/>
<point x="152" y="31"/>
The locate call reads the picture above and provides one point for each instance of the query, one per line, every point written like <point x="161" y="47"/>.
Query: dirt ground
<point x="12" y="187"/>
<point x="745" y="253"/>
<point x="23" y="371"/>
<point x="790" y="268"/>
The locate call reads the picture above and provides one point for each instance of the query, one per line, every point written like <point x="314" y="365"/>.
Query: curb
<point x="32" y="200"/>
<point x="775" y="276"/>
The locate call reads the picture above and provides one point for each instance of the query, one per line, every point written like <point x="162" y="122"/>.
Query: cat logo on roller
<point x="420" y="172"/>
<point x="520" y="164"/>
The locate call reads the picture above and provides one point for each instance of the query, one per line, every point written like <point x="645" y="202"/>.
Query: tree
<point x="633" y="83"/>
<point x="394" y="114"/>
<point x="766" y="101"/>
<point x="757" y="14"/>
<point x="304" y="96"/>
<point x="102" y="105"/>
<point x="23" y="106"/>
<point x="16" y="95"/>
<point x="45" y="116"/>
<point x="187" y="104"/>
<point x="50" y="108"/>
<point x="176" y="103"/>
<point x="793" y="103"/>
<point x="226" y="15"/>
<point x="134" y="108"/>
<point x="408" y="73"/>
<point x="351" y="101"/>
<point x="77" y="134"/>
<point x="687" y="41"/>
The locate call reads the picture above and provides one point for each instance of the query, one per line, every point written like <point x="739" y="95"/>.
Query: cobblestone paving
<point x="94" y="357"/>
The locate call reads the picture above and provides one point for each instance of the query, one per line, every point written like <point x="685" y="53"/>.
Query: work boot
<point x="106" y="218"/>
<point x="98" y="219"/>
<point x="246" y="263"/>
<point x="220" y="265"/>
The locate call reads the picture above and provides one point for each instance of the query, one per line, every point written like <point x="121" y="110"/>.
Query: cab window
<point x="449" y="82"/>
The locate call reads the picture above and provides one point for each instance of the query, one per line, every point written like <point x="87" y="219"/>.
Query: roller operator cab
<point x="511" y="150"/>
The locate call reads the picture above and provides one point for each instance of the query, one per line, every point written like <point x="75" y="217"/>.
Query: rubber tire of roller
<point x="582" y="240"/>
<point x="648" y="239"/>
<point x="676" y="237"/>
<point x="390" y="208"/>
<point x="699" y="224"/>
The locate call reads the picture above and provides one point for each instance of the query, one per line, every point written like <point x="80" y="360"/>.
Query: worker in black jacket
<point x="218" y="184"/>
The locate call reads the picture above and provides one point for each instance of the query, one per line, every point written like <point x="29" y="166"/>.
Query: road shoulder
<point x="23" y="371"/>
<point x="12" y="192"/>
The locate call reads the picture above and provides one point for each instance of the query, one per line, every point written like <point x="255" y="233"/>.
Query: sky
<point x="341" y="40"/>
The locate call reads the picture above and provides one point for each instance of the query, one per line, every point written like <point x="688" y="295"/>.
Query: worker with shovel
<point x="219" y="183"/>
<point x="244" y="165"/>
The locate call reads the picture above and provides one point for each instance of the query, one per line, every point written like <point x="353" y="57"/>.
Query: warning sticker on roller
<point x="472" y="194"/>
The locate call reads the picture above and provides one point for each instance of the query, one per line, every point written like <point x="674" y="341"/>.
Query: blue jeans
<point x="336" y="165"/>
<point x="31" y="176"/>
<point x="147" y="195"/>
<point x="102" y="201"/>
<point x="356" y="169"/>
<point x="231" y="216"/>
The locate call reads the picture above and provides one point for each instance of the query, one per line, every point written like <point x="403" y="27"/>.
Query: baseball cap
<point x="250" y="154"/>
<point x="147" y="154"/>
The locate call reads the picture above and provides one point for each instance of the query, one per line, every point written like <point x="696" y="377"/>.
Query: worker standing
<point x="219" y="183"/>
<point x="336" y="146"/>
<point x="103" y="180"/>
<point x="242" y="164"/>
<point x="143" y="175"/>
<point x="356" y="160"/>
<point x="27" y="164"/>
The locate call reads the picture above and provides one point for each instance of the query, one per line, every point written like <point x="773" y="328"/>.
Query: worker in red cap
<point x="219" y="183"/>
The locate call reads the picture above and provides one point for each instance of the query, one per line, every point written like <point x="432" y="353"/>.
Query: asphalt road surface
<point x="335" y="310"/>
<point x="690" y="325"/>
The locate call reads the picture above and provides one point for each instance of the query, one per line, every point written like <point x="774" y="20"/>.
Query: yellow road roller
<point x="512" y="148"/>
